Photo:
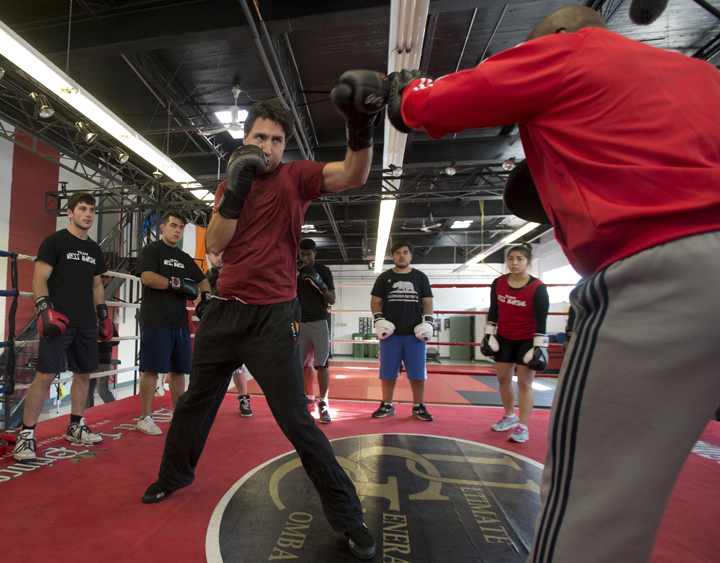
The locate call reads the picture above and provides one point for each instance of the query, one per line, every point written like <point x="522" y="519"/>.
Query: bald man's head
<point x="567" y="20"/>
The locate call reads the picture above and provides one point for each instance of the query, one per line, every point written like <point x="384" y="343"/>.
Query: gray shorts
<point x="316" y="336"/>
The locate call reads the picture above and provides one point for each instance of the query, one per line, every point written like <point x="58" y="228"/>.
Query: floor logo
<point x="426" y="499"/>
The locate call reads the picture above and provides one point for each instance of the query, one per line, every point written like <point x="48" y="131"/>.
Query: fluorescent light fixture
<point x="407" y="35"/>
<point x="461" y="224"/>
<point x="387" y="211"/>
<point x="309" y="229"/>
<point x="59" y="84"/>
<point x="526" y="228"/>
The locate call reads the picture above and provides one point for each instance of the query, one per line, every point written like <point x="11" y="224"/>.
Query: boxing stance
<point x="170" y="279"/>
<point x="255" y="318"/>
<point x="402" y="308"/>
<point x="316" y="293"/>
<point x="72" y="316"/>
<point x="515" y="335"/>
<point x="623" y="142"/>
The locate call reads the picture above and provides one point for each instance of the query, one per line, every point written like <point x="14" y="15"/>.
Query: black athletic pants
<point x="264" y="338"/>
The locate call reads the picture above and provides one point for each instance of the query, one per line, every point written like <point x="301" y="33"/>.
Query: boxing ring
<point x="13" y="347"/>
<point x="401" y="466"/>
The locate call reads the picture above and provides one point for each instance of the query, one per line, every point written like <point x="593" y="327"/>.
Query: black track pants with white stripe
<point x="639" y="384"/>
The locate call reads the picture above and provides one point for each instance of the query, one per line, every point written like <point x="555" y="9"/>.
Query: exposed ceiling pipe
<point x="268" y="68"/>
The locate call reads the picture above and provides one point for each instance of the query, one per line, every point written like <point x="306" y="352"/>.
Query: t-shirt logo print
<point x="403" y="291"/>
<point x="174" y="263"/>
<point x="81" y="256"/>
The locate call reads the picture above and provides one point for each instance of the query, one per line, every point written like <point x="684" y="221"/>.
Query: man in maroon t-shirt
<point x="257" y="223"/>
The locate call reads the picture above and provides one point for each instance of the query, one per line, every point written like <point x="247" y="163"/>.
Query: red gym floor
<point x="447" y="384"/>
<point x="82" y="504"/>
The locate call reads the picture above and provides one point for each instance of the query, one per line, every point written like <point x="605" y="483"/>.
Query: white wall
<point x="360" y="280"/>
<point x="6" y="159"/>
<point x="548" y="257"/>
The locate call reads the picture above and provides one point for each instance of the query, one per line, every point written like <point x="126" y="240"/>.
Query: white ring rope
<point x="92" y="376"/>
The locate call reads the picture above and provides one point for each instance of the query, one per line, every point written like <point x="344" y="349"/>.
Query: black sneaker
<point x="155" y="493"/>
<point x="311" y="405"/>
<point x="384" y="410"/>
<point x="245" y="410"/>
<point x="420" y="412"/>
<point x="324" y="412"/>
<point x="361" y="542"/>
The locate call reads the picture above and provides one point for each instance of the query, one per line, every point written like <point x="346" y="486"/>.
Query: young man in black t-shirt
<point x="402" y="307"/>
<point x="72" y="315"/>
<point x="316" y="291"/>
<point x="170" y="278"/>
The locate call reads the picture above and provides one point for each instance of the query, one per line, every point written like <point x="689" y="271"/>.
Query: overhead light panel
<point x="44" y="109"/>
<point x="387" y="212"/>
<point x="233" y="120"/>
<point x="59" y="84"/>
<point x="87" y="134"/>
<point x="407" y="34"/>
<point x="525" y="229"/>
<point x="461" y="224"/>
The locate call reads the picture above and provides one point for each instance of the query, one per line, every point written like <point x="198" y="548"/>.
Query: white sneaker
<point x="147" y="426"/>
<point x="506" y="423"/>
<point x="25" y="446"/>
<point x="78" y="433"/>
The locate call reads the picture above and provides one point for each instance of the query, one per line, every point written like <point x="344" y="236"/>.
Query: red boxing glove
<point x="105" y="327"/>
<point x="51" y="324"/>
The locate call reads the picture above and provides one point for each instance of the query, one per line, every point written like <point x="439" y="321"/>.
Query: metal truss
<point x="189" y="116"/>
<point x="470" y="183"/>
<point x="56" y="139"/>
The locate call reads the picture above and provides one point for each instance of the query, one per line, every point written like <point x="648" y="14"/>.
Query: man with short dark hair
<point x="257" y="222"/>
<point x="72" y="316"/>
<point x="170" y="279"/>
<point x="315" y="291"/>
<point x="402" y="308"/>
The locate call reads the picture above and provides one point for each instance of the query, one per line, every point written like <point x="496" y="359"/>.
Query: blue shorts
<point x="78" y="345"/>
<point x="406" y="349"/>
<point x="164" y="350"/>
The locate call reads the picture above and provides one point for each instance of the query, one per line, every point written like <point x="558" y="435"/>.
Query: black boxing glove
<point x="205" y="297"/>
<point x="244" y="163"/>
<point x="310" y="275"/>
<point x="536" y="358"/>
<point x="189" y="288"/>
<point x="398" y="82"/>
<point x="490" y="345"/>
<point x="300" y="265"/>
<point x="51" y="324"/>
<point x="359" y="96"/>
<point x="212" y="276"/>
<point x="105" y="326"/>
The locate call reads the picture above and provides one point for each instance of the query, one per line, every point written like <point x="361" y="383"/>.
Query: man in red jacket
<point x="623" y="142"/>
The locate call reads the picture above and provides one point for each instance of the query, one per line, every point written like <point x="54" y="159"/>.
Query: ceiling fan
<point x="235" y="115"/>
<point x="424" y="228"/>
